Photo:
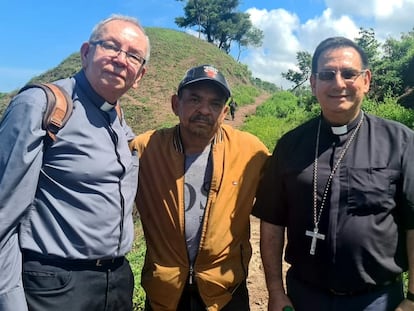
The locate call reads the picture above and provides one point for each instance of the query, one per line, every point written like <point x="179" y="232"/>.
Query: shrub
<point x="390" y="109"/>
<point x="276" y="116"/>
<point x="245" y="94"/>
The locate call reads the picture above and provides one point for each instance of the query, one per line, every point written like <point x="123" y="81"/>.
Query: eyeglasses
<point x="112" y="50"/>
<point x="348" y="75"/>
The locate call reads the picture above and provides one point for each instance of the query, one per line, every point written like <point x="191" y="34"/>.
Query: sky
<point x="38" y="35"/>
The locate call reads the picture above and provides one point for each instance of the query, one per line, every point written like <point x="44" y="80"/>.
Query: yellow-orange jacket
<point x="225" y="251"/>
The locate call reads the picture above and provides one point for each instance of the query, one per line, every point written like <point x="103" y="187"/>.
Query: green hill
<point x="172" y="53"/>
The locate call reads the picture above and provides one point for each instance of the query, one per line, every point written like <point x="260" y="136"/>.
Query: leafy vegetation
<point x="136" y="260"/>
<point x="276" y="116"/>
<point x="219" y="22"/>
<point x="390" y="109"/>
<point x="245" y="95"/>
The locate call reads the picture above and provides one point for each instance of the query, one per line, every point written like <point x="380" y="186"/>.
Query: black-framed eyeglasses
<point x="112" y="50"/>
<point x="348" y="75"/>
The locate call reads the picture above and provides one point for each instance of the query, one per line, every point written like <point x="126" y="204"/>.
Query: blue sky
<point x="38" y="35"/>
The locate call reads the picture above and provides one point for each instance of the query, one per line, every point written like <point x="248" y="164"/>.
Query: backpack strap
<point x="58" y="109"/>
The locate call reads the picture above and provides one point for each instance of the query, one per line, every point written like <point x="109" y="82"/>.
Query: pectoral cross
<point x="315" y="235"/>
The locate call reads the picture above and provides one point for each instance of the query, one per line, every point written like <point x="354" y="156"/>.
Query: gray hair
<point x="97" y="30"/>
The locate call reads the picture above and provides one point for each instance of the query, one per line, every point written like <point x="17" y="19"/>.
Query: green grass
<point x="136" y="259"/>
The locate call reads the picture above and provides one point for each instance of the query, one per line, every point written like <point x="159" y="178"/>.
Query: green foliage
<point x="367" y="41"/>
<point x="390" y="109"/>
<point x="280" y="105"/>
<point x="267" y="128"/>
<point x="245" y="95"/>
<point x="264" y="85"/>
<point x="136" y="259"/>
<point x="300" y="76"/>
<point x="218" y="21"/>
<point x="276" y="116"/>
<point x="392" y="64"/>
<point x="253" y="38"/>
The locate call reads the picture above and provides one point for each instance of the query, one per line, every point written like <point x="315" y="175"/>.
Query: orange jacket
<point x="224" y="251"/>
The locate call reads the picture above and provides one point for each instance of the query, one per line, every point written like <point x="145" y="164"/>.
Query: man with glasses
<point x="68" y="202"/>
<point x="197" y="186"/>
<point x="342" y="187"/>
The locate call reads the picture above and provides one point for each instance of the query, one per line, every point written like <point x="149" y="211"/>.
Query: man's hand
<point x="278" y="300"/>
<point x="405" y="305"/>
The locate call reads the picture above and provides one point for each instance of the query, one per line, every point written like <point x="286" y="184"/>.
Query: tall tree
<point x="367" y="41"/>
<point x="381" y="76"/>
<point x="247" y="35"/>
<point x="300" y="76"/>
<point x="219" y="22"/>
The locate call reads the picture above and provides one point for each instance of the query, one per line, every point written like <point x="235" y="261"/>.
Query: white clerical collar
<point x="339" y="130"/>
<point x="107" y="106"/>
<point x="344" y="129"/>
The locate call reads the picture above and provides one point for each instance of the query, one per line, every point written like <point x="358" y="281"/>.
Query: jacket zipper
<point x="191" y="275"/>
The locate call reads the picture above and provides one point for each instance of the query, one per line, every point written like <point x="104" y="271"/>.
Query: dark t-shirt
<point x="368" y="207"/>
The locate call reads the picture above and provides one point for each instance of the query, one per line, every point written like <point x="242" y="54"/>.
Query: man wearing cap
<point x="197" y="185"/>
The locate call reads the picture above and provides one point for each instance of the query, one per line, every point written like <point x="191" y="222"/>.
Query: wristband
<point x="410" y="296"/>
<point x="289" y="308"/>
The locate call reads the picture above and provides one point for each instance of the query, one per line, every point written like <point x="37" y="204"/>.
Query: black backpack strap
<point x="58" y="109"/>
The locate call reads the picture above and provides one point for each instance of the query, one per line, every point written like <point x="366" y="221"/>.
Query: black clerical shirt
<point x="368" y="207"/>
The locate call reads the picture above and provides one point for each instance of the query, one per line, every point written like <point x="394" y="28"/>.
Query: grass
<point x="136" y="260"/>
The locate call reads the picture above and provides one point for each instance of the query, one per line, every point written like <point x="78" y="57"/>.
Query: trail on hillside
<point x="244" y="111"/>
<point x="256" y="281"/>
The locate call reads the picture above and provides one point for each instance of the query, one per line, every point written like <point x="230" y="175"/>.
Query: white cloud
<point x="285" y="34"/>
<point x="277" y="54"/>
<point x="370" y="8"/>
<point x="388" y="18"/>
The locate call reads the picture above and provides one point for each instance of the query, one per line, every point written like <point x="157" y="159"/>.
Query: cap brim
<point x="224" y="88"/>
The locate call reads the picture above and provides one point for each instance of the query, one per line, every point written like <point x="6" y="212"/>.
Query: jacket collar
<point x="178" y="144"/>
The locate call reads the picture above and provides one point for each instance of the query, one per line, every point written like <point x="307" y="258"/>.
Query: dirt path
<point x="243" y="112"/>
<point x="256" y="281"/>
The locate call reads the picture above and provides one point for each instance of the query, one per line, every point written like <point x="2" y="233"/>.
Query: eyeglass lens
<point x="348" y="74"/>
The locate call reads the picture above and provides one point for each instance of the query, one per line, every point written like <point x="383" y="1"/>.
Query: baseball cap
<point x="205" y="73"/>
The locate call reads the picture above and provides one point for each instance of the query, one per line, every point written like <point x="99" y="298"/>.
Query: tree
<point x="392" y="65"/>
<point x="369" y="44"/>
<point x="382" y="76"/>
<point x="253" y="37"/>
<point x="221" y="25"/>
<point x="299" y="77"/>
<point x="400" y="54"/>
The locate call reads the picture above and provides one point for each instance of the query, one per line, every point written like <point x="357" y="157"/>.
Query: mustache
<point x="200" y="117"/>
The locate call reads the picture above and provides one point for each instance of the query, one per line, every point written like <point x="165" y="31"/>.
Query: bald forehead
<point x="122" y="27"/>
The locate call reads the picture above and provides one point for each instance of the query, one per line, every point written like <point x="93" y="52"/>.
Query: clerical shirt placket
<point x="334" y="198"/>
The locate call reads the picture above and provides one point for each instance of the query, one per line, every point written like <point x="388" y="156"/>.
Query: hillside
<point x="172" y="53"/>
